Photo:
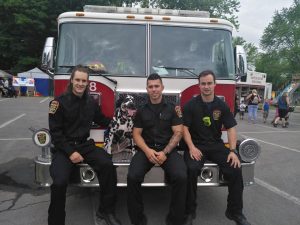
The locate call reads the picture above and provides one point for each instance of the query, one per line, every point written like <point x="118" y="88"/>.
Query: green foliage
<point x="276" y="67"/>
<point x="238" y="41"/>
<point x="281" y="43"/>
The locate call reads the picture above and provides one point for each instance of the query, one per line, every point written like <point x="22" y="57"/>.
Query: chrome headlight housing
<point x="249" y="150"/>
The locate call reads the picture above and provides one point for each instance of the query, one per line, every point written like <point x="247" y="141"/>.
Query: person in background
<point x="283" y="106"/>
<point x="266" y="108"/>
<point x="236" y="104"/>
<point x="242" y="110"/>
<point x="253" y="100"/>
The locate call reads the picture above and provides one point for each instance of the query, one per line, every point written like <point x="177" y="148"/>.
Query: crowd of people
<point x="251" y="105"/>
<point x="158" y="128"/>
<point x="6" y="88"/>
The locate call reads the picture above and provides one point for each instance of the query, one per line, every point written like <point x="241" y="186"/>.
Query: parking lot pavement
<point x="273" y="200"/>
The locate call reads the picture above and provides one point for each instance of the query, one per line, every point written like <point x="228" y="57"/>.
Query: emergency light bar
<point x="148" y="11"/>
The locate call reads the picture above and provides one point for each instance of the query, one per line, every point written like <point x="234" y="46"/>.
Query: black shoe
<point x="275" y="124"/>
<point x="168" y="221"/>
<point x="239" y="218"/>
<point x="143" y="221"/>
<point x="109" y="218"/>
<point x="189" y="219"/>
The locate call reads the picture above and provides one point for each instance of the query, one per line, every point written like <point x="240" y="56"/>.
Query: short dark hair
<point x="79" y="68"/>
<point x="205" y="73"/>
<point x="154" y="76"/>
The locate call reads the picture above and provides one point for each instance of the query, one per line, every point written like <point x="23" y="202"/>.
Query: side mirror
<point x="240" y="63"/>
<point x="48" y="55"/>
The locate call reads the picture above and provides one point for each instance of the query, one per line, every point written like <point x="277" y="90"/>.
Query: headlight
<point x="249" y="150"/>
<point x="206" y="174"/>
<point x="88" y="175"/>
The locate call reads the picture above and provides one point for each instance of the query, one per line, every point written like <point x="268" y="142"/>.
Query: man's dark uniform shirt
<point x="157" y="121"/>
<point x="205" y="121"/>
<point x="70" y="120"/>
<point x="218" y="112"/>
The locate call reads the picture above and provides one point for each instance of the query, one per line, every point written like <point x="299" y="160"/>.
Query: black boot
<point x="239" y="218"/>
<point x="143" y="221"/>
<point x="189" y="219"/>
<point x="109" y="218"/>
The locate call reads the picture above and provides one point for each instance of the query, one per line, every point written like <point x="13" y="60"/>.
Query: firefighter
<point x="204" y="117"/>
<point x="157" y="131"/>
<point x="70" y="119"/>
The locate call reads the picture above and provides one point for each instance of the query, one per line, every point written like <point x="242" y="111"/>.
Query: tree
<point x="281" y="43"/>
<point x="25" y="24"/>
<point x="22" y="25"/>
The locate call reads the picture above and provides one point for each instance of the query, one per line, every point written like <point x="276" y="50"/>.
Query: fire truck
<point x="124" y="45"/>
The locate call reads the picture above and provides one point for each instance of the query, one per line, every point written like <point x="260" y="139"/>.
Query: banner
<point x="23" y="82"/>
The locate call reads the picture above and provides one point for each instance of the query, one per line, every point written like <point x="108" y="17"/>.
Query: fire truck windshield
<point x="112" y="49"/>
<point x="186" y="51"/>
<point x="140" y="49"/>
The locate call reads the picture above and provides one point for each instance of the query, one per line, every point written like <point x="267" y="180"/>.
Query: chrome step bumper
<point x="84" y="176"/>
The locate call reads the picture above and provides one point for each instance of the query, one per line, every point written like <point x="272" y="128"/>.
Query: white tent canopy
<point x="34" y="73"/>
<point x="5" y="74"/>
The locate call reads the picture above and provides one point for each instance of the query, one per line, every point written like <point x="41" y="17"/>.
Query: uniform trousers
<point x="175" y="170"/>
<point x="60" y="171"/>
<point x="218" y="154"/>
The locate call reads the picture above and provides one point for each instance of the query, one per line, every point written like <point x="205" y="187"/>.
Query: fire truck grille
<point x="141" y="98"/>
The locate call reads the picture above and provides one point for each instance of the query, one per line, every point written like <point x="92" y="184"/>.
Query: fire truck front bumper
<point x="84" y="176"/>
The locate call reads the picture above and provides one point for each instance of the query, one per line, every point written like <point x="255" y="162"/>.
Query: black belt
<point x="158" y="147"/>
<point x="77" y="142"/>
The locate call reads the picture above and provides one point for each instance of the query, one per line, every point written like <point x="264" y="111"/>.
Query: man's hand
<point x="76" y="157"/>
<point x="195" y="153"/>
<point x="161" y="157"/>
<point x="152" y="156"/>
<point x="235" y="162"/>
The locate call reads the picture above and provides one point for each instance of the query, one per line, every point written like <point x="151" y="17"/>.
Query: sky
<point x="255" y="15"/>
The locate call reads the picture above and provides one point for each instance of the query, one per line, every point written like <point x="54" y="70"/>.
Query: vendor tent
<point x="5" y="74"/>
<point x="43" y="82"/>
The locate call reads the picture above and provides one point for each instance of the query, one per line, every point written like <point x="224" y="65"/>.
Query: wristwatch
<point x="235" y="151"/>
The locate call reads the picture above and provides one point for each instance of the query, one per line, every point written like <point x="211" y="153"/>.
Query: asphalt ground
<point x="273" y="200"/>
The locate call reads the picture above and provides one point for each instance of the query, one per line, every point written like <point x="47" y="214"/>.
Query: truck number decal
<point x="93" y="86"/>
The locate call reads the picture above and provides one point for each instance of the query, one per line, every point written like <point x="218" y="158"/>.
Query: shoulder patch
<point x="53" y="107"/>
<point x="178" y="111"/>
<point x="216" y="114"/>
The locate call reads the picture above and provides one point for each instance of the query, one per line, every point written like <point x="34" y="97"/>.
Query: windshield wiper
<point x="181" y="69"/>
<point x="104" y="75"/>
<point x="94" y="72"/>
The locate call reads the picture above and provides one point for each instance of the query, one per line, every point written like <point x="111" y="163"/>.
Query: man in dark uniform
<point x="157" y="131"/>
<point x="204" y="117"/>
<point x="70" y="119"/>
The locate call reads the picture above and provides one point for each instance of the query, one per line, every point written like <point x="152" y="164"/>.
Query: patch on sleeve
<point x="53" y="107"/>
<point x="216" y="114"/>
<point x="178" y="111"/>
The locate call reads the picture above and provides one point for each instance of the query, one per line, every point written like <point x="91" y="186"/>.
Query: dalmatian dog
<point x="119" y="136"/>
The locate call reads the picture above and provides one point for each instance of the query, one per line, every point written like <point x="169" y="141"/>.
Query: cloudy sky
<point x="255" y="15"/>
